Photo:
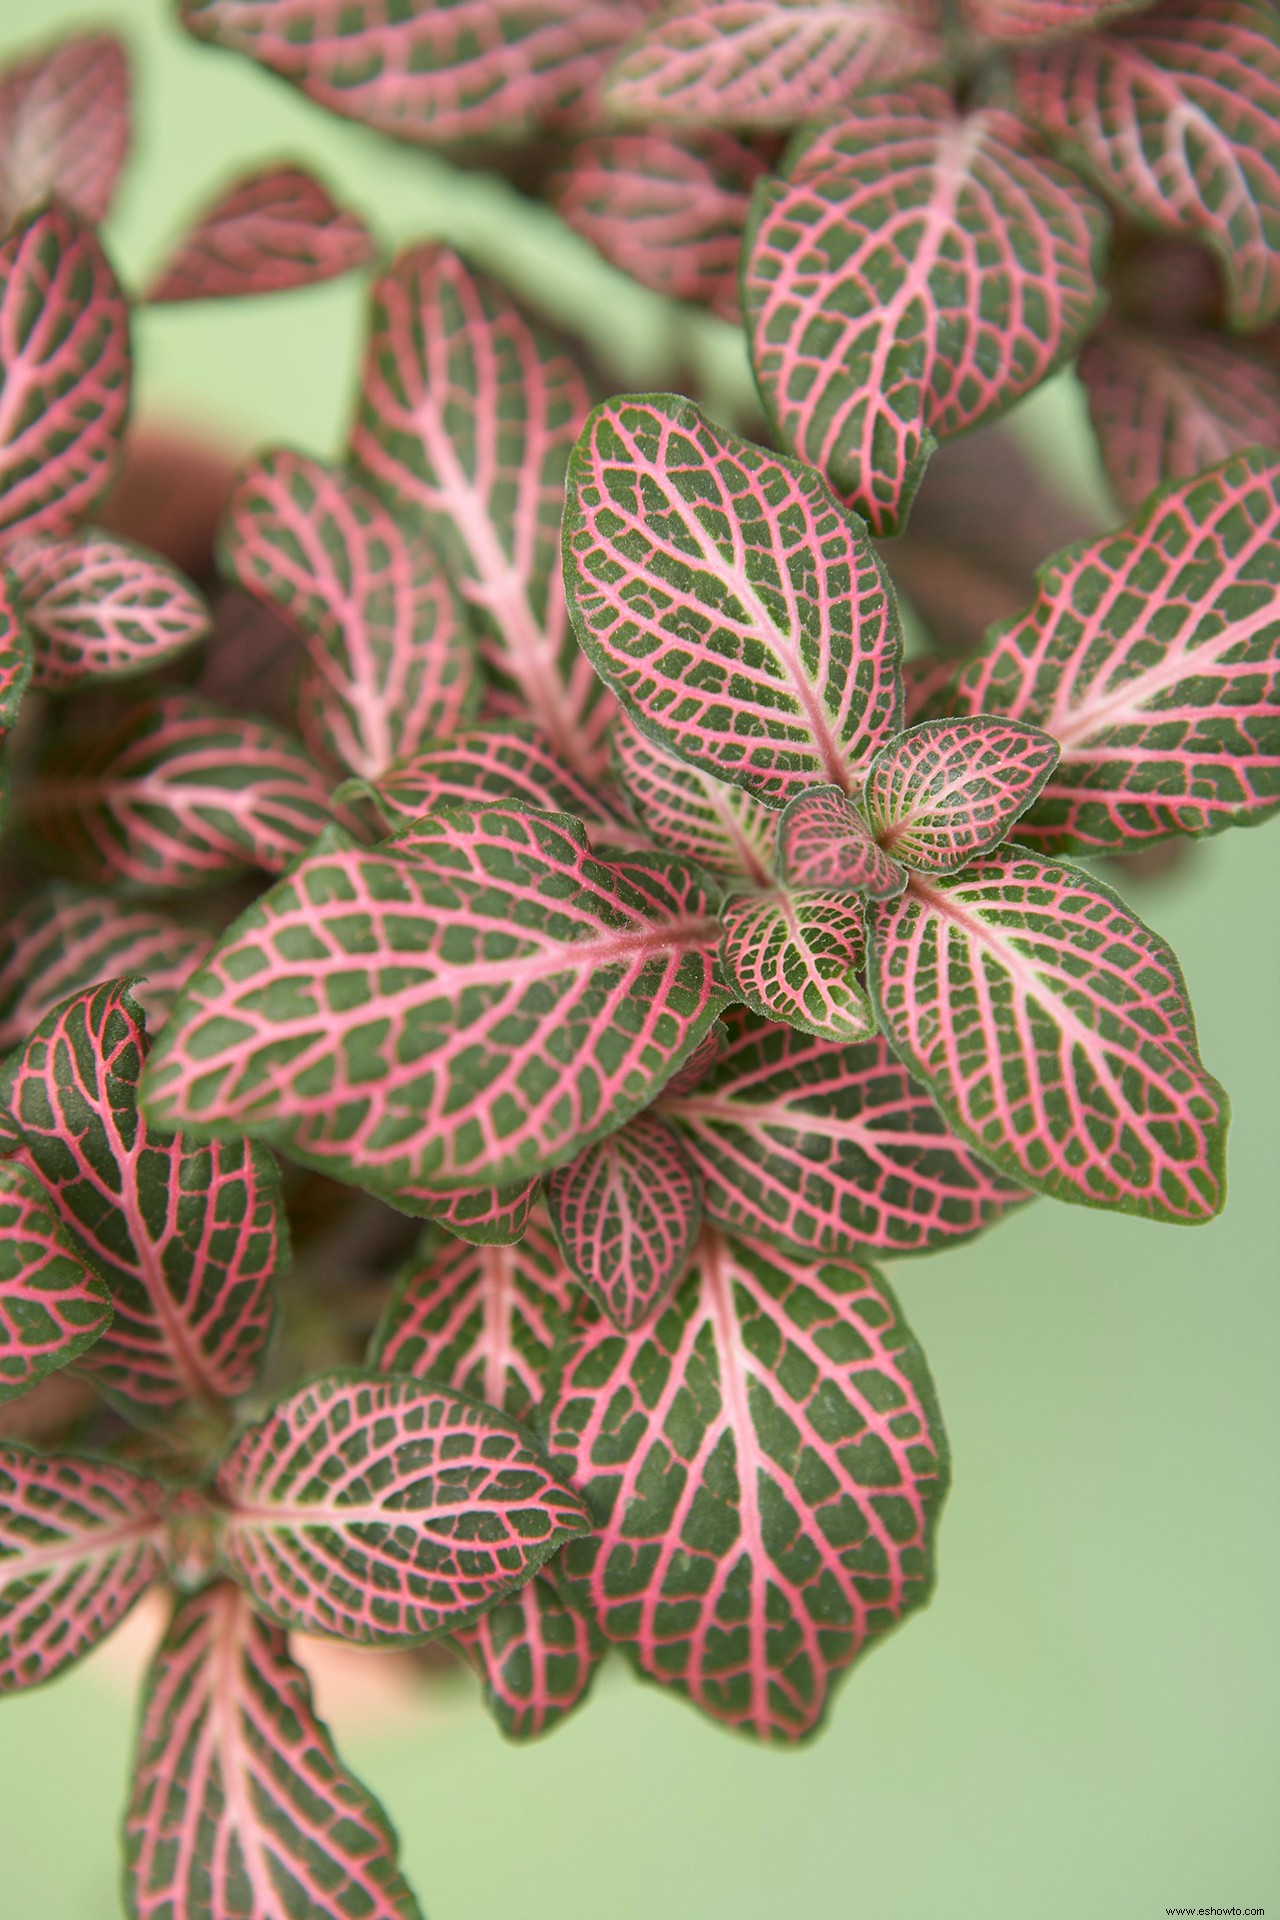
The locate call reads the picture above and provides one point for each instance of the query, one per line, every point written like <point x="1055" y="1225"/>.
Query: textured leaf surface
<point x="668" y="208"/>
<point x="948" y="790"/>
<point x="1153" y="658"/>
<point x="271" y="231"/>
<point x="384" y="1509"/>
<point x="51" y="1305"/>
<point x="728" y="599"/>
<point x="456" y="70"/>
<point x="627" y="1212"/>
<point x="67" y="937"/>
<point x="824" y="841"/>
<point x="1054" y="1032"/>
<point x="505" y="760"/>
<point x="465" y="1004"/>
<point x="240" y="1805"/>
<point x="466" y="417"/>
<point x="178" y="794"/>
<point x="695" y="814"/>
<point x="763" y="1467"/>
<point x="80" y="1541"/>
<point x="64" y="373"/>
<point x="915" y="273"/>
<point x="64" y="127"/>
<point x="768" y="63"/>
<point x="100" y="608"/>
<point x="390" y="656"/>
<point x="186" y="1233"/>
<point x="481" y="1319"/>
<point x="796" y="955"/>
<point x="828" y="1148"/>
<point x="486" y="1321"/>
<point x="536" y="1657"/>
<point x="15" y="652"/>
<point x="1166" y="405"/>
<point x="1176" y="115"/>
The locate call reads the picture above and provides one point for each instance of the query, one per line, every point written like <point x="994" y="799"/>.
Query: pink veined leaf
<point x="391" y="662"/>
<point x="480" y="1319"/>
<point x="486" y="1322"/>
<point x="52" y="1306"/>
<point x="886" y="302"/>
<point x="486" y="1216"/>
<point x="796" y="955"/>
<point x="1014" y="20"/>
<point x="178" y="794"/>
<point x="668" y="208"/>
<point x="1152" y="656"/>
<point x="240" y="1808"/>
<point x="763" y="1466"/>
<point x="187" y="1234"/>
<point x="824" y="841"/>
<point x="948" y="790"/>
<point x="64" y="127"/>
<point x="384" y="1509"/>
<point x="768" y="63"/>
<point x="536" y="1656"/>
<point x="1166" y="405"/>
<point x="462" y="70"/>
<point x="1054" y="1032"/>
<point x="468" y="1003"/>
<point x="101" y="608"/>
<point x="1176" y="116"/>
<point x="825" y="1149"/>
<point x="728" y="598"/>
<point x="466" y="417"/>
<point x="503" y="760"/>
<point x="64" y="373"/>
<point x="719" y="825"/>
<point x="269" y="232"/>
<point x="80" y="1542"/>
<point x="67" y="937"/>
<point x="927" y="683"/>
<point x="626" y="1213"/>
<point x="15" y="652"/>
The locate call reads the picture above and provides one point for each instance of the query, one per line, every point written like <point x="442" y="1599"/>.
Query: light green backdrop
<point x="1085" y="1722"/>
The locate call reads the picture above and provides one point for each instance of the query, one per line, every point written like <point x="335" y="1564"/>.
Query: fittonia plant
<point x="612" y="930"/>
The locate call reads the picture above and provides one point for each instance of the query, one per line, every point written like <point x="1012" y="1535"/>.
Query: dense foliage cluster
<point x="538" y="838"/>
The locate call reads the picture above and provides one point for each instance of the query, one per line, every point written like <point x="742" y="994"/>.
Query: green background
<point x="1085" y="1721"/>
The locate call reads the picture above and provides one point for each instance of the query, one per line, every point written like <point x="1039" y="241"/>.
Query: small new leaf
<point x="536" y="1656"/>
<point x="272" y="231"/>
<point x="384" y="1510"/>
<point x="824" y="841"/>
<point x="728" y="598"/>
<point x="80" y="1542"/>
<point x="948" y="790"/>
<point x="240" y="1807"/>
<point x="763" y="1466"/>
<point x="52" y="1306"/>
